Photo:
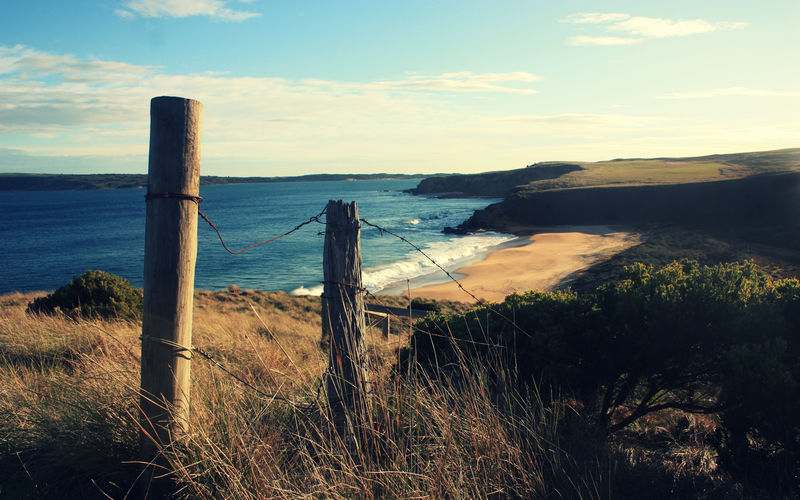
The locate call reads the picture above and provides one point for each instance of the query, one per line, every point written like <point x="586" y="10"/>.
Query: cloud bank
<point x="635" y="29"/>
<point x="729" y="92"/>
<point x="215" y="9"/>
<point x="61" y="105"/>
<point x="62" y="113"/>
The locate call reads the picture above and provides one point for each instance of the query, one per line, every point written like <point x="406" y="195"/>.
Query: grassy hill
<point x="548" y="176"/>
<point x="491" y="184"/>
<point x="638" y="171"/>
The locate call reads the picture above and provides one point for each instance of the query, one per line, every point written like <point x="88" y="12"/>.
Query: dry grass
<point x="68" y="418"/>
<point x="638" y="172"/>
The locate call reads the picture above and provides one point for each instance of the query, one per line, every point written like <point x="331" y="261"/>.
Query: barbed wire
<point x="453" y="278"/>
<point x="211" y="359"/>
<point x="287" y="233"/>
<point x="418" y="249"/>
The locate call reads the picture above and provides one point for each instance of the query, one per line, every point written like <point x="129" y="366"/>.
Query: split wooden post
<point x="173" y="186"/>
<point x="343" y="321"/>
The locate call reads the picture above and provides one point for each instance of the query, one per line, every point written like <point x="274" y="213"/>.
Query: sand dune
<point x="543" y="264"/>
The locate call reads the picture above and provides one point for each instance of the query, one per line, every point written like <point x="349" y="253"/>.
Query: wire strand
<point x="287" y="233"/>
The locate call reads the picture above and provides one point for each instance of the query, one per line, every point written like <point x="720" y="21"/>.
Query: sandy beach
<point x="546" y="261"/>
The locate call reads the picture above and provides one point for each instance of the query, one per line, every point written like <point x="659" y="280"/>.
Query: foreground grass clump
<point x="68" y="415"/>
<point x="94" y="294"/>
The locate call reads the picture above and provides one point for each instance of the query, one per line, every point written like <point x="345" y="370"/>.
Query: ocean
<point x="49" y="237"/>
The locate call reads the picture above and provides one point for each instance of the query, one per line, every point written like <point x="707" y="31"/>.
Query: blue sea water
<point x="49" y="237"/>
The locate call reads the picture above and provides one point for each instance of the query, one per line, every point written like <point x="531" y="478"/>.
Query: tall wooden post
<point x="343" y="320"/>
<point x="173" y="185"/>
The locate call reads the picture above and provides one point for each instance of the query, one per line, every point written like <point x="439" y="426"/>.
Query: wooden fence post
<point x="343" y="321"/>
<point x="173" y="185"/>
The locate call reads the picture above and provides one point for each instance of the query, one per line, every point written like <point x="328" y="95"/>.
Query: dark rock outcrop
<point x="761" y="203"/>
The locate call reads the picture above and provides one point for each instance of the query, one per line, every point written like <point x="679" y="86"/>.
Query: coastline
<point x="543" y="260"/>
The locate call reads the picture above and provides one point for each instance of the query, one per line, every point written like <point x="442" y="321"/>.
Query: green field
<point x="636" y="172"/>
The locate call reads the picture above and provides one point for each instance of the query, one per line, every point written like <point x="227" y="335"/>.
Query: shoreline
<point x="547" y="258"/>
<point x="541" y="258"/>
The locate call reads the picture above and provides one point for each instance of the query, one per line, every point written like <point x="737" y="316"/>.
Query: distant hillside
<point x="50" y="182"/>
<point x="548" y="176"/>
<point x="755" y="196"/>
<point x="491" y="184"/>
<point x="657" y="171"/>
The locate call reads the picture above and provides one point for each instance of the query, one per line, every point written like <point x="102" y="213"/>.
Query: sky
<point x="402" y="86"/>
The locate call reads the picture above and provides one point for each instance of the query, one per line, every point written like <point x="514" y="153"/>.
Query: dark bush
<point x="423" y="304"/>
<point x="722" y="339"/>
<point x="95" y="294"/>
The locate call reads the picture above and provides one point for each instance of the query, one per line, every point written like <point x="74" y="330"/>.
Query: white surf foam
<point x="314" y="290"/>
<point x="451" y="254"/>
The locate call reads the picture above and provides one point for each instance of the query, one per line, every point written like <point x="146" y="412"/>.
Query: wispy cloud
<point x="29" y="63"/>
<point x="66" y="113"/>
<point x="729" y="92"/>
<point x="464" y="82"/>
<point x="602" y="40"/>
<point x="642" y="27"/>
<point x="652" y="27"/>
<point x="91" y="108"/>
<point x="53" y="90"/>
<point x="216" y="9"/>
<point x="595" y="17"/>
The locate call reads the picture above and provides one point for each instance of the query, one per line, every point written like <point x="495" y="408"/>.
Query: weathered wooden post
<point x="382" y="318"/>
<point x="173" y="185"/>
<point x="343" y="321"/>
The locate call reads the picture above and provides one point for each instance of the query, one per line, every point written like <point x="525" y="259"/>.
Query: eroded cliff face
<point x="763" y="207"/>
<point x="491" y="184"/>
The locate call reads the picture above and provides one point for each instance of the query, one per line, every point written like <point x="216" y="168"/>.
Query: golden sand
<point x="547" y="261"/>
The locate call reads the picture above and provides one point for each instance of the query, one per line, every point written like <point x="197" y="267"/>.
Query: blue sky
<point x="396" y="86"/>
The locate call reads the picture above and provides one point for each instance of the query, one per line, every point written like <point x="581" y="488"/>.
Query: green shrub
<point x="95" y="294"/>
<point x="423" y="304"/>
<point x="723" y="339"/>
<point x="657" y="339"/>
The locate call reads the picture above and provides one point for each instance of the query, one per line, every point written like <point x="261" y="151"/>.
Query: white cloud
<point x="463" y="82"/>
<point x="729" y="92"/>
<point x="602" y="40"/>
<point x="63" y="113"/>
<point x="216" y="9"/>
<point x="652" y="27"/>
<point x="32" y="64"/>
<point x="643" y="27"/>
<point x="71" y="107"/>
<point x="595" y="17"/>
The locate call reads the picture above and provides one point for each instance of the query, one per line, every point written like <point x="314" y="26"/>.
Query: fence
<point x="170" y="251"/>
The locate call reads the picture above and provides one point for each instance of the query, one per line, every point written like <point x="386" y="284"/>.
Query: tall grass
<point x="68" y="416"/>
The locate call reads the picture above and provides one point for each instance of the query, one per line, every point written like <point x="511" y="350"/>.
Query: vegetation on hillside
<point x="491" y="184"/>
<point x="663" y="244"/>
<point x="547" y="176"/>
<point x="703" y="340"/>
<point x="641" y="171"/>
<point x="674" y="382"/>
